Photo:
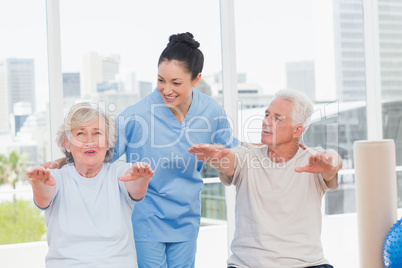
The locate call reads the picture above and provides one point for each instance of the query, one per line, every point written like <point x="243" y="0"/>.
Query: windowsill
<point x="211" y="231"/>
<point x="339" y="239"/>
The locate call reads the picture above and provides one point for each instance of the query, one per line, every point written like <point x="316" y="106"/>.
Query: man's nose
<point x="267" y="121"/>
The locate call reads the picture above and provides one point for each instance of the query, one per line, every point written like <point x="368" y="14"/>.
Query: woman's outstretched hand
<point x="40" y="174"/>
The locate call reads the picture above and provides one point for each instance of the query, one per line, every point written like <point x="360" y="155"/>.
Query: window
<point x="316" y="47"/>
<point x="391" y="85"/>
<point x="24" y="131"/>
<point x="110" y="57"/>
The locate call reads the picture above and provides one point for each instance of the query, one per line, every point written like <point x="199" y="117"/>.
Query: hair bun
<point x="185" y="38"/>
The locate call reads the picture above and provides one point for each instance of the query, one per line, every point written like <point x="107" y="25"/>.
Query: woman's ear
<point x="196" y="80"/>
<point x="67" y="145"/>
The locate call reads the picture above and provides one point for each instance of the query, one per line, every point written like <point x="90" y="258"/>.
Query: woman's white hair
<point x="302" y="106"/>
<point x="84" y="114"/>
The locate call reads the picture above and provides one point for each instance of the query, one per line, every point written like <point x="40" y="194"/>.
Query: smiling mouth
<point x="170" y="98"/>
<point x="90" y="152"/>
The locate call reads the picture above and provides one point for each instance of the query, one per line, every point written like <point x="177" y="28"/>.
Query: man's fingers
<point x="226" y="151"/>
<point x="323" y="158"/>
<point x="204" y="145"/>
<point x="301" y="169"/>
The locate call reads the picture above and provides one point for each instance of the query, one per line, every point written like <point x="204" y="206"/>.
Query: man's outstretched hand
<point x="209" y="152"/>
<point x="318" y="163"/>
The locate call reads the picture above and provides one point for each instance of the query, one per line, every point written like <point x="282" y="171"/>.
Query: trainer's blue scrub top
<point x="148" y="131"/>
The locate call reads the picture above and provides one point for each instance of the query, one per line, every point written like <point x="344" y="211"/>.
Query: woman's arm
<point x="137" y="179"/>
<point x="43" y="186"/>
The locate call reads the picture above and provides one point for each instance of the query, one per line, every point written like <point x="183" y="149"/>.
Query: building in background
<point x="98" y="73"/>
<point x="300" y="76"/>
<point x="204" y="87"/>
<point x="145" y="88"/>
<point x="390" y="31"/>
<point x="350" y="52"/>
<point x="21" y="111"/>
<point x="250" y="94"/>
<point x="17" y="85"/>
<point x="33" y="139"/>
<point x="71" y="85"/>
<point x="128" y="82"/>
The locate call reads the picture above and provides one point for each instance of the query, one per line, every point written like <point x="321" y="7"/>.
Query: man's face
<point x="277" y="126"/>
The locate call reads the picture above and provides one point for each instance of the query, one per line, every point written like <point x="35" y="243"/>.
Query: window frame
<point x="229" y="70"/>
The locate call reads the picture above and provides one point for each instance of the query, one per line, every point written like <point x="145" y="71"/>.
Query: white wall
<point x="23" y="255"/>
<point x="211" y="251"/>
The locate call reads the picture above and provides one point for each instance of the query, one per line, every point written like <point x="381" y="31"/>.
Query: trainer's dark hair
<point x="183" y="48"/>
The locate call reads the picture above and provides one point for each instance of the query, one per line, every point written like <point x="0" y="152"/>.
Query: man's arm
<point x="217" y="157"/>
<point x="328" y="164"/>
<point x="43" y="186"/>
<point x="331" y="178"/>
<point x="137" y="179"/>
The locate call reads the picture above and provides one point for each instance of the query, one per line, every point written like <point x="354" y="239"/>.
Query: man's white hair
<point x="302" y="106"/>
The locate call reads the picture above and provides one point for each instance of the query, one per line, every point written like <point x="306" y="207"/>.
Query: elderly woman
<point x="88" y="202"/>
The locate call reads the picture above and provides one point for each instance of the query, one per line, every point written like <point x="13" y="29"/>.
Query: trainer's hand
<point x="50" y="165"/>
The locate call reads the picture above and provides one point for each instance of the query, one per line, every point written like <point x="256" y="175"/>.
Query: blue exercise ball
<point x="392" y="250"/>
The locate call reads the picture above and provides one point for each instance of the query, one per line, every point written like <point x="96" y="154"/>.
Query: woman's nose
<point x="90" y="143"/>
<point x="167" y="90"/>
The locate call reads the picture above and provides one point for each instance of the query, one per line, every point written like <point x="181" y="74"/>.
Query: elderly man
<point x="279" y="189"/>
<point x="88" y="202"/>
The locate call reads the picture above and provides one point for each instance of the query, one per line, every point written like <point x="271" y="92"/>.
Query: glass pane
<point x="343" y="199"/>
<point x="24" y="129"/>
<point x="115" y="61"/>
<point x="110" y="56"/>
<point x="213" y="203"/>
<point x="316" y="47"/>
<point x="390" y="56"/>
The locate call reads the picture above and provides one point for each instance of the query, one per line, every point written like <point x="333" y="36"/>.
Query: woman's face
<point x="175" y="85"/>
<point x="88" y="145"/>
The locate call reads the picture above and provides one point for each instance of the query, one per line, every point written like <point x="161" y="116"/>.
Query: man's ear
<point x="298" y="131"/>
